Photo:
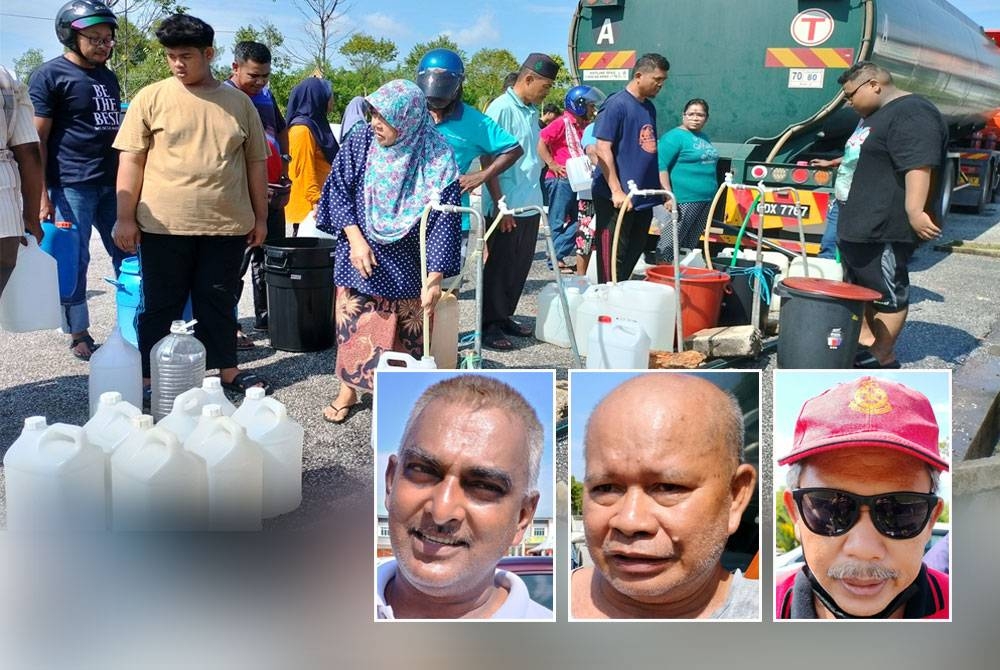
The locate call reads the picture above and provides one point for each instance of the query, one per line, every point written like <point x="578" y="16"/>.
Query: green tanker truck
<point x="769" y="70"/>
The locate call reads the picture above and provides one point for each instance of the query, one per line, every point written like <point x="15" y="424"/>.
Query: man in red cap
<point x="861" y="492"/>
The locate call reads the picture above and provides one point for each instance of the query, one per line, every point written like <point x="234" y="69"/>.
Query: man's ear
<point x="525" y="515"/>
<point x="390" y="475"/>
<point x="741" y="488"/>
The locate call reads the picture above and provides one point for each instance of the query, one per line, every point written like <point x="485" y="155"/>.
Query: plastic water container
<point x="235" y="471"/>
<point x="307" y="228"/>
<point x="395" y="360"/>
<point x="116" y="366"/>
<point x="819" y="268"/>
<point x="111" y="422"/>
<point x="617" y="344"/>
<point x="772" y="257"/>
<point x="186" y="412"/>
<point x="595" y="302"/>
<point x="177" y="363"/>
<point x="31" y="300"/>
<point x="128" y="296"/>
<point x="444" y="332"/>
<point x="215" y="395"/>
<point x="651" y="305"/>
<point x="579" y="172"/>
<point x="550" y="325"/>
<point x="280" y="438"/>
<point x="55" y="480"/>
<point x="61" y="240"/>
<point x="158" y="485"/>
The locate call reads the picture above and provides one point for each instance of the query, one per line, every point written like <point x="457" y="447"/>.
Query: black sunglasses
<point x="900" y="515"/>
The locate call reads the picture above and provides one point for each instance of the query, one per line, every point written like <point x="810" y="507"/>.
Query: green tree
<point x="369" y="56"/>
<point x="27" y="63"/>
<point x="484" y="74"/>
<point x="564" y="82"/>
<point x="270" y="36"/>
<point x="784" y="536"/>
<point x="408" y="68"/>
<point x="138" y="59"/>
<point x="576" y="497"/>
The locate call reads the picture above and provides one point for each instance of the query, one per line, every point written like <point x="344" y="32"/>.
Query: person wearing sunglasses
<point x="862" y="497"/>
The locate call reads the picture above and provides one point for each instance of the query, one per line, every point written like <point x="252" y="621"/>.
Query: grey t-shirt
<point x="743" y="601"/>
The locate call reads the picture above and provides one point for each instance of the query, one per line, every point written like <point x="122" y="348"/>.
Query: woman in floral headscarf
<point x="381" y="180"/>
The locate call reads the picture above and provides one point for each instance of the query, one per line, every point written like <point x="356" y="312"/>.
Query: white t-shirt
<point x="518" y="605"/>
<point x="16" y="127"/>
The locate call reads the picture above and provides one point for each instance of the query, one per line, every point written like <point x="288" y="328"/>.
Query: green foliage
<point x="564" y="82"/>
<point x="369" y="56"/>
<point x="784" y="538"/>
<point x="28" y="63"/>
<point x="268" y="35"/>
<point x="576" y="497"/>
<point x="484" y="75"/>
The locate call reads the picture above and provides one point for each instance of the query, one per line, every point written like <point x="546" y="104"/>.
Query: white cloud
<point x="383" y="25"/>
<point x="483" y="31"/>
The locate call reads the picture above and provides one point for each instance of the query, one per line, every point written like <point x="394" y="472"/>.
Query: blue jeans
<point x="562" y="216"/>
<point x="828" y="245"/>
<point x="88" y="206"/>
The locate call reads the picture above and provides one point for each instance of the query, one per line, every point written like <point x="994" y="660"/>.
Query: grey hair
<point x="479" y="392"/>
<point x="795" y="473"/>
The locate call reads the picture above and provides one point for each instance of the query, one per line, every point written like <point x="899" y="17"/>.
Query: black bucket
<point x="737" y="305"/>
<point x="820" y="322"/>
<point x="300" y="293"/>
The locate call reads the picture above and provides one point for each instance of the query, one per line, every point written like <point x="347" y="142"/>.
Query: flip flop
<point x="243" y="342"/>
<point x="244" y="380"/>
<point x="515" y="329"/>
<point x="865" y="361"/>
<point x="495" y="339"/>
<point x="91" y="347"/>
<point x="336" y="412"/>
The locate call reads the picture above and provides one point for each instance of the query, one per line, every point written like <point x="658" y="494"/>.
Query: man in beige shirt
<point x="192" y="194"/>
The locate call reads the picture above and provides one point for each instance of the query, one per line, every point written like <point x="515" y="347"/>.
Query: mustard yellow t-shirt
<point x="308" y="172"/>
<point x="197" y="146"/>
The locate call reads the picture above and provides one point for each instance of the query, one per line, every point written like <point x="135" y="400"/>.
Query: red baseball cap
<point x="867" y="412"/>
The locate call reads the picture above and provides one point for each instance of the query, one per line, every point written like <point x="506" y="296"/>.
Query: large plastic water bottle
<point x="156" y="484"/>
<point x="184" y="416"/>
<point x="61" y="240"/>
<point x="177" y="363"/>
<point x="235" y="471"/>
<point x="31" y="300"/>
<point x="395" y="360"/>
<point x="280" y="438"/>
<point x="55" y="480"/>
<point x="617" y="344"/>
<point x="215" y="395"/>
<point x="116" y="366"/>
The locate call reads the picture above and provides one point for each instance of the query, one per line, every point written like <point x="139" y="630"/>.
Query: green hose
<point x="743" y="229"/>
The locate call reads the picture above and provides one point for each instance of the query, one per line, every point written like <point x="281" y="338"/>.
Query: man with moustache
<point x="861" y="493"/>
<point x="460" y="490"/>
<point x="664" y="489"/>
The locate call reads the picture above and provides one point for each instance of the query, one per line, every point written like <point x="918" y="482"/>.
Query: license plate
<point x="784" y="209"/>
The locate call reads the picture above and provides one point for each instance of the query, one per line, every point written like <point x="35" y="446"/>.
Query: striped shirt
<point x="16" y="127"/>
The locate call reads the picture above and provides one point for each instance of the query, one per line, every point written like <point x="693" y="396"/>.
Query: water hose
<point x="708" y="224"/>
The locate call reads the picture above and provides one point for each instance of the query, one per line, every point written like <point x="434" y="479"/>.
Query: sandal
<point x="336" y="417"/>
<point x="243" y="342"/>
<point x="515" y="329"/>
<point x="866" y="361"/>
<point x="493" y="338"/>
<point x="245" y="380"/>
<point x="91" y="347"/>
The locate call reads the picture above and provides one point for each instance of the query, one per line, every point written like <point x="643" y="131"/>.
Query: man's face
<point x="863" y="471"/>
<point x="536" y="89"/>
<point x="99" y="53"/>
<point x="863" y="94"/>
<point x="457" y="497"/>
<point x="190" y="65"/>
<point x="251" y="77"/>
<point x="650" y="83"/>
<point x="660" y="498"/>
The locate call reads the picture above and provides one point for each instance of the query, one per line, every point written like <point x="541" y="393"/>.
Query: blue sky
<point x="521" y="26"/>
<point x="399" y="391"/>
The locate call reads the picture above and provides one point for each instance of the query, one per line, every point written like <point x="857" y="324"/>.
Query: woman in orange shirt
<point x="311" y="145"/>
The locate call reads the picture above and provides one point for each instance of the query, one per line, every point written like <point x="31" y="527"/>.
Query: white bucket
<point x="235" y="471"/>
<point x="30" y="301"/>
<point x="280" y="438"/>
<point x="819" y="268"/>
<point x="550" y="325"/>
<point x="579" y="172"/>
<point x="395" y="360"/>
<point x="183" y="418"/>
<point x="54" y="480"/>
<point x="652" y="305"/>
<point x="772" y="257"/>
<point x="116" y="366"/>
<point x="617" y="344"/>
<point x="215" y="395"/>
<point x="157" y="485"/>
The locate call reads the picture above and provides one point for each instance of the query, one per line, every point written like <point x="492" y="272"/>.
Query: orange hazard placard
<point x="809" y="57"/>
<point x="605" y="60"/>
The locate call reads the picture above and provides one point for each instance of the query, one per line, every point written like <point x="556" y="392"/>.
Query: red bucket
<point x="701" y="294"/>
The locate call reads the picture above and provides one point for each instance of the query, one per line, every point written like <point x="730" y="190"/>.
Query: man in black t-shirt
<point x="894" y="201"/>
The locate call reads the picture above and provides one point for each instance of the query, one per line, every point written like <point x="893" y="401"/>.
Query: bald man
<point x="664" y="489"/>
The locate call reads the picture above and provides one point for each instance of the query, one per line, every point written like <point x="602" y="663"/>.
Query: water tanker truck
<point x="769" y="69"/>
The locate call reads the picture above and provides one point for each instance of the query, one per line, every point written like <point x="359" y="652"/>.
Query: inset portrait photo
<point x="465" y="490"/>
<point x="664" y="495"/>
<point x="862" y="494"/>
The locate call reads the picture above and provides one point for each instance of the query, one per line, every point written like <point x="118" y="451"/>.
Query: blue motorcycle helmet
<point x="440" y="75"/>
<point x="578" y="97"/>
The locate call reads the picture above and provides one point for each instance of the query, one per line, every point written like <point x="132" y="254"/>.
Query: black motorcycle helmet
<point x="76" y="15"/>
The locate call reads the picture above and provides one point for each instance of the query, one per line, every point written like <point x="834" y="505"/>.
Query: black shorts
<point x="882" y="267"/>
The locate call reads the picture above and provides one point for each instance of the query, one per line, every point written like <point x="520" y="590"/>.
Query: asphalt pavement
<point x="954" y="311"/>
